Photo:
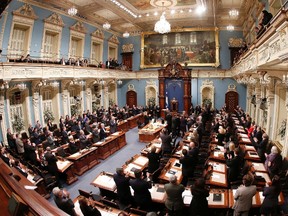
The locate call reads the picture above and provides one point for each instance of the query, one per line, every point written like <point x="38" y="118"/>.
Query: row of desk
<point x="218" y="198"/>
<point x="80" y="162"/>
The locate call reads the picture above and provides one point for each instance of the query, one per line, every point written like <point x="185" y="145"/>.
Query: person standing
<point x="243" y="196"/>
<point x="63" y="201"/>
<point x="153" y="161"/>
<point x="166" y="139"/>
<point x="123" y="189"/>
<point x="141" y="188"/>
<point x="273" y="162"/>
<point x="188" y="166"/>
<point x="174" y="202"/>
<point x="199" y="203"/>
<point x="87" y="207"/>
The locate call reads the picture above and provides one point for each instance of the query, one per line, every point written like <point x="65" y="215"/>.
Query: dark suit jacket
<point x="123" y="189"/>
<point x="102" y="134"/>
<point x="234" y="168"/>
<point x="64" y="138"/>
<point x="142" y="194"/>
<point x="89" y="210"/>
<point x="30" y="153"/>
<point x="154" y="161"/>
<point x="66" y="205"/>
<point x="271" y="199"/>
<point x="52" y="163"/>
<point x="199" y="203"/>
<point x="188" y="165"/>
<point x="166" y="143"/>
<point x="113" y="126"/>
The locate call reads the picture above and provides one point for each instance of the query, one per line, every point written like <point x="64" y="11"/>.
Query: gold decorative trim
<point x="235" y="42"/>
<point x="98" y="34"/>
<point x="78" y="27"/>
<point x="114" y="39"/>
<point x="54" y="19"/>
<point x="25" y="11"/>
<point x="126" y="48"/>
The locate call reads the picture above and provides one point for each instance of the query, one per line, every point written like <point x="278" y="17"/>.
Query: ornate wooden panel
<point x="231" y="100"/>
<point x="131" y="98"/>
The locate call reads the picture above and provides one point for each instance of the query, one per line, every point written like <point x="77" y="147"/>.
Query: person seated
<point x="87" y="207"/>
<point x="63" y="201"/>
<point x="84" y="141"/>
<point x="21" y="168"/>
<point x="266" y="17"/>
<point x="73" y="148"/>
<point x="5" y="156"/>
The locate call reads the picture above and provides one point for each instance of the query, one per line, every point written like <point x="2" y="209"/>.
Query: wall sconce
<point x="285" y="79"/>
<point x="102" y="82"/>
<point x="119" y="82"/>
<point x="4" y="85"/>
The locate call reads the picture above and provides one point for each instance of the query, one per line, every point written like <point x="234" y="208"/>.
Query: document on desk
<point x="218" y="166"/>
<point x="244" y="139"/>
<point x="259" y="167"/>
<point x="141" y="160"/>
<point x="28" y="187"/>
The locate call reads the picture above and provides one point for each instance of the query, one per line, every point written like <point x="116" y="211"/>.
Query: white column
<point x="66" y="102"/>
<point x="3" y="121"/>
<point x="35" y="100"/>
<point x="270" y="108"/>
<point x="88" y="99"/>
<point x="258" y="97"/>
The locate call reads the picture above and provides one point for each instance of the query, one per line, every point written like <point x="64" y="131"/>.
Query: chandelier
<point x="119" y="82"/>
<point x="126" y="34"/>
<point x="72" y="11"/>
<point x="233" y="13"/>
<point x="230" y="28"/>
<point x="106" y="25"/>
<point x="162" y="26"/>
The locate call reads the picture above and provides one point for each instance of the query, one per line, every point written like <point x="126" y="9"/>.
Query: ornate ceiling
<point x="100" y="11"/>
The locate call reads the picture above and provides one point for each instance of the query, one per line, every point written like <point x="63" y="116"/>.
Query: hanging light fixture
<point x="233" y="13"/>
<point x="162" y="26"/>
<point x="126" y="34"/>
<point x="119" y="82"/>
<point x="106" y="25"/>
<point x="230" y="28"/>
<point x="73" y="10"/>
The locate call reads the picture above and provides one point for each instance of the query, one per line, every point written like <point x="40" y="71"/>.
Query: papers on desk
<point x="28" y="187"/>
<point x="218" y="166"/>
<point x="246" y="140"/>
<point x="141" y="160"/>
<point x="249" y="148"/>
<point x="157" y="145"/>
<point x="130" y="167"/>
<point x="171" y="172"/>
<point x="116" y="134"/>
<point x="244" y="136"/>
<point x="105" y="181"/>
<point x="264" y="175"/>
<point x="253" y="154"/>
<point x="259" y="167"/>
<point x="62" y="164"/>
<point x="215" y="199"/>
<point x="98" y="143"/>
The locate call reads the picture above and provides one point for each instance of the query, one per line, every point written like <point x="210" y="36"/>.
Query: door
<point x="131" y="98"/>
<point x="231" y="100"/>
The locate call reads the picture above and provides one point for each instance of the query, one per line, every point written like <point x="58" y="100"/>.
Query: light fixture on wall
<point x="102" y="82"/>
<point x="73" y="10"/>
<point x="126" y="34"/>
<point x="54" y="84"/>
<point x="119" y="82"/>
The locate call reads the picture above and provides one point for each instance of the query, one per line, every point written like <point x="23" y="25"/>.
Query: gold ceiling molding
<point x="54" y="19"/>
<point x="26" y="11"/>
<point x="163" y="3"/>
<point x="126" y="48"/>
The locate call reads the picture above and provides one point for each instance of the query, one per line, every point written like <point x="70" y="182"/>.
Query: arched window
<point x="47" y="100"/>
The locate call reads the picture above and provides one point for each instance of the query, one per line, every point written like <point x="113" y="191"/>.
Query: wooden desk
<point x="252" y="155"/>
<point x="245" y="141"/>
<point x="218" y="179"/>
<point x="132" y="121"/>
<point x="178" y="152"/>
<point x="171" y="169"/>
<point x="248" y="147"/>
<point x="256" y="167"/>
<point x="150" y="132"/>
<point x="217" y="155"/>
<point x="84" y="160"/>
<point x="157" y="192"/>
<point x="123" y="126"/>
<point x="147" y="149"/>
<point x="257" y="199"/>
<point x="218" y="167"/>
<point x="136" y="162"/>
<point x="265" y="176"/>
<point x="223" y="203"/>
<point x="104" y="181"/>
<point x="110" y="145"/>
<point x="66" y="166"/>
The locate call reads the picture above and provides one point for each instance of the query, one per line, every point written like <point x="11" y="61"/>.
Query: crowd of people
<point x="83" y="130"/>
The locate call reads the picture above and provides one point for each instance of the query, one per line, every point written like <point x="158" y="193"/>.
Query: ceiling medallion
<point x="163" y="3"/>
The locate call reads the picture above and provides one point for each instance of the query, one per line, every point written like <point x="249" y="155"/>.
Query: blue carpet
<point x="109" y="165"/>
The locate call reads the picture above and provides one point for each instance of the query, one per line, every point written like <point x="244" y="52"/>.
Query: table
<point x="157" y="192"/>
<point x="252" y="155"/>
<point x="136" y="162"/>
<point x="217" y="179"/>
<point x="110" y="144"/>
<point x="218" y="167"/>
<point x="257" y="167"/>
<point x="247" y="147"/>
<point x="173" y="167"/>
<point x="157" y="143"/>
<point x="84" y="160"/>
<point x="150" y="131"/>
<point x="104" y="181"/>
<point x="133" y="120"/>
<point x="66" y="166"/>
<point x="212" y="203"/>
<point x="123" y="126"/>
<point x="217" y="155"/>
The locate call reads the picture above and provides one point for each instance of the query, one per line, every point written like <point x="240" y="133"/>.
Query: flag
<point x="166" y="100"/>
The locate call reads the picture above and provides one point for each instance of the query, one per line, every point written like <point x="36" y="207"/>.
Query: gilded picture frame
<point x="194" y="47"/>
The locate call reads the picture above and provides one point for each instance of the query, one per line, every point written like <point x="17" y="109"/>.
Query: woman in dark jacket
<point x="154" y="160"/>
<point x="270" y="203"/>
<point x="199" y="203"/>
<point x="86" y="207"/>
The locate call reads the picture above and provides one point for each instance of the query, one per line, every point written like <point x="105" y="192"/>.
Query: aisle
<point x="109" y="164"/>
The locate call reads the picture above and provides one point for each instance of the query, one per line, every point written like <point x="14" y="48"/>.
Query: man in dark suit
<point x="166" y="139"/>
<point x="51" y="160"/>
<point x="95" y="133"/>
<point x="261" y="146"/>
<point x="64" y="136"/>
<point x="168" y="119"/>
<point x="84" y="141"/>
<point x="123" y="189"/>
<point x="193" y="152"/>
<point x="63" y="201"/>
<point x="188" y="166"/>
<point x="102" y="133"/>
<point x="29" y="152"/>
<point x="141" y="188"/>
<point x="113" y="125"/>
<point x="174" y="202"/>
<point x="234" y="164"/>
